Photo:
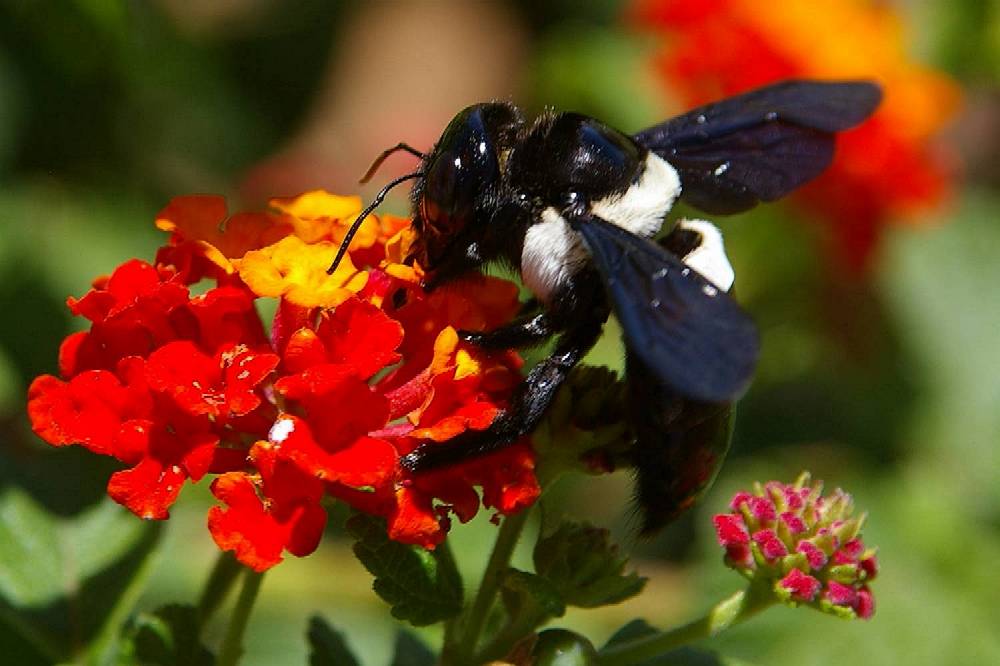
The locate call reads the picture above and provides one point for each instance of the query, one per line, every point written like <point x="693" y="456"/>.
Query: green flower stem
<point x="508" y="636"/>
<point x="472" y="626"/>
<point x="232" y="644"/>
<point x="728" y="612"/>
<point x="217" y="587"/>
<point x="448" y="560"/>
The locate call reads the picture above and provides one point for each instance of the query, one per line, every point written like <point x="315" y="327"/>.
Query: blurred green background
<point x="887" y="384"/>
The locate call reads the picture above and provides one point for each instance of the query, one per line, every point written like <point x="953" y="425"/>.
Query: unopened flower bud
<point x="806" y="545"/>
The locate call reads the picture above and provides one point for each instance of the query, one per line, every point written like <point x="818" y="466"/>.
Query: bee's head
<point x="462" y="178"/>
<point x="457" y="188"/>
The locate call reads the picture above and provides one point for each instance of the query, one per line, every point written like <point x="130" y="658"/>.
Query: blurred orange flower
<point x="885" y="170"/>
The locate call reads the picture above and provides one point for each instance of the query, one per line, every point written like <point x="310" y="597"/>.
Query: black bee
<point x="572" y="204"/>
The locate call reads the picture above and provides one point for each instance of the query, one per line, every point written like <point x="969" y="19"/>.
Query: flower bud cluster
<point x="807" y="545"/>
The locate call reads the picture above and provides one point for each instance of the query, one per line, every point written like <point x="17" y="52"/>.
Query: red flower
<point x="132" y="313"/>
<point x="275" y="510"/>
<point x="218" y="387"/>
<point x="88" y="410"/>
<point x="452" y="391"/>
<point x="226" y="317"/>
<point x="177" y="387"/>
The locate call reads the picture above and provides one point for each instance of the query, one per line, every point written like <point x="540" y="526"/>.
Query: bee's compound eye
<point x="464" y="165"/>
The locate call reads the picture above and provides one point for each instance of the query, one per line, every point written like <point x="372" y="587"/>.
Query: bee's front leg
<point x="524" y="332"/>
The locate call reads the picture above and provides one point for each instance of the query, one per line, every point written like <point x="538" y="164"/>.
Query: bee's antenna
<point x="342" y="250"/>
<point x="385" y="153"/>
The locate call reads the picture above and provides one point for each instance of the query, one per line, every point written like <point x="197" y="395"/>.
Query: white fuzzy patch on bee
<point x="709" y="258"/>
<point x="642" y="207"/>
<point x="552" y="254"/>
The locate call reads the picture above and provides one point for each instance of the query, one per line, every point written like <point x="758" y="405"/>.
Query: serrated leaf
<point x="684" y="656"/>
<point x="166" y="637"/>
<point x="528" y="595"/>
<point x="51" y="567"/>
<point x="423" y="587"/>
<point x="585" y="566"/>
<point x="411" y="651"/>
<point x="327" y="646"/>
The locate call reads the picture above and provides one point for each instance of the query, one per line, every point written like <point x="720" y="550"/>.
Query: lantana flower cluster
<point x="886" y="170"/>
<point x="805" y="545"/>
<point x="178" y="377"/>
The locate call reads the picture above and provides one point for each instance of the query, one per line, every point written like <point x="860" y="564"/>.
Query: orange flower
<point x="203" y="238"/>
<point x="887" y="169"/>
<point x="319" y="215"/>
<point x="296" y="271"/>
<point x="177" y="387"/>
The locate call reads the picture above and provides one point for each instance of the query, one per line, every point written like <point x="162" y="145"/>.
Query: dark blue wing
<point x="690" y="335"/>
<point x="761" y="145"/>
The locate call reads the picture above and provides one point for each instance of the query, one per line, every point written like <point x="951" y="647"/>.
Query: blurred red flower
<point x="886" y="170"/>
<point x="349" y="380"/>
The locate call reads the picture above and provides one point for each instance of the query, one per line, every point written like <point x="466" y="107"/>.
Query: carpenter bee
<point x="573" y="204"/>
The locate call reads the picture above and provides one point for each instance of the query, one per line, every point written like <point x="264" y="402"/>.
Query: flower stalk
<point x="232" y="643"/>
<point x="220" y="581"/>
<point x="472" y="626"/>
<point x="727" y="613"/>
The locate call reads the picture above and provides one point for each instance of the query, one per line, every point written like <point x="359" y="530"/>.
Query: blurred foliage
<point x="67" y="585"/>
<point x="168" y="637"/>
<point x="115" y="94"/>
<point x="887" y="386"/>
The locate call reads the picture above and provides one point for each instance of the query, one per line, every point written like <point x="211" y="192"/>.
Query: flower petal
<point x="148" y="489"/>
<point x="294" y="270"/>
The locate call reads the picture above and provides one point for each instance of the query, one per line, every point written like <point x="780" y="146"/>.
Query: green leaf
<point x="584" y="566"/>
<point x="328" y="647"/>
<point x="684" y="656"/>
<point x="635" y="629"/>
<point x="166" y="637"/>
<point x="51" y="568"/>
<point x="530" y="599"/>
<point x="423" y="587"/>
<point x="411" y="651"/>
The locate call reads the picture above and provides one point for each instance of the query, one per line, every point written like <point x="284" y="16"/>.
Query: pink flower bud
<point x="730" y="530"/>
<point x="870" y="566"/>
<point x="802" y="586"/>
<point x="865" y="606"/>
<point x="763" y="510"/>
<point x="794" y="522"/>
<point x="807" y="547"/>
<point x="816" y="557"/>
<point x="839" y="594"/>
<point x="770" y="545"/>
